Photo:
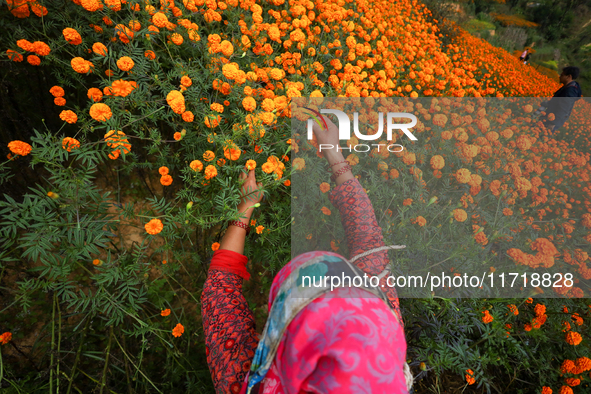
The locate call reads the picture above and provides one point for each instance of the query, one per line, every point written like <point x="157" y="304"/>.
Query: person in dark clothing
<point x="563" y="101"/>
<point x="527" y="58"/>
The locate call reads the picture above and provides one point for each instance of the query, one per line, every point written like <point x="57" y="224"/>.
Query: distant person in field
<point x="527" y="58"/>
<point x="523" y="55"/>
<point x="563" y="101"/>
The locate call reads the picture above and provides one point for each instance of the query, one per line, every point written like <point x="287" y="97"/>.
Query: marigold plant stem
<point x="52" y="344"/>
<point x="139" y="370"/>
<point x="106" y="367"/>
<point x="75" y="366"/>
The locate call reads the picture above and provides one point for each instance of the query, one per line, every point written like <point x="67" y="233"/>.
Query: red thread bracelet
<point x="340" y="162"/>
<point x="343" y="170"/>
<point x="238" y="223"/>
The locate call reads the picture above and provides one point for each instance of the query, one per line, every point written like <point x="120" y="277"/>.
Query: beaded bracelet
<point x="238" y="223"/>
<point x="339" y="162"/>
<point x="334" y="176"/>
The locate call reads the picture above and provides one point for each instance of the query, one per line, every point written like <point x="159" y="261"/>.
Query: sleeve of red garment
<point x="229" y="261"/>
<point x="361" y="227"/>
<point x="229" y="326"/>
<point x="363" y="233"/>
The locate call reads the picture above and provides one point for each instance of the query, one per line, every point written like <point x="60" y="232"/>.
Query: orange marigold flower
<point x="251" y="164"/>
<point x="125" y="63"/>
<point x="513" y="309"/>
<point x="25" y="45"/>
<point x="215" y="246"/>
<point x="176" y="100"/>
<point x="188" y="116"/>
<point x="487" y="318"/>
<point x="178" y="330"/>
<point x="121" y="88"/>
<point x="324" y="187"/>
<point x="95" y="94"/>
<point x="160" y="19"/>
<point x="573" y="338"/>
<point x="437" y="162"/>
<point x="196" y="165"/>
<point x="90" y="5"/>
<point x="57" y="91"/>
<point x="407" y="202"/>
<point x="463" y="175"/>
<point x="186" y="81"/>
<point x="5" y="338"/>
<point x="299" y="164"/>
<point x="326" y="211"/>
<point x="573" y="382"/>
<point x="421" y="221"/>
<point x="546" y="390"/>
<point x="33" y="60"/>
<point x="19" y="148"/>
<point x="208" y="155"/>
<point x="154" y="226"/>
<point x="41" y="48"/>
<point x="14" y="56"/>
<point x="210" y="172"/>
<point x="166" y="180"/>
<point x="259" y="229"/>
<point x="97" y="262"/>
<point x="217" y="107"/>
<point x="100" y="112"/>
<point x="68" y="116"/>
<point x="470" y="376"/>
<point x="232" y="152"/>
<point x="177" y="136"/>
<point x="150" y="55"/>
<point x="177" y="38"/>
<point x="460" y="215"/>
<point x="100" y="49"/>
<point x="165" y="312"/>
<point x="527" y="327"/>
<point x="80" y="65"/>
<point x="72" y="36"/>
<point x="249" y="103"/>
<point x="566" y="390"/>
<point x="59" y="101"/>
<point x="163" y="170"/>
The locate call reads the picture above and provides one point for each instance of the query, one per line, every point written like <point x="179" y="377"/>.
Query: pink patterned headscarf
<point x="342" y="342"/>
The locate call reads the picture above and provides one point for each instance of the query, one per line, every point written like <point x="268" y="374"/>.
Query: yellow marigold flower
<point x="125" y="63"/>
<point x="251" y="164"/>
<point x="196" y="165"/>
<point x="208" y="155"/>
<point x="72" y="36"/>
<point x="463" y="175"/>
<point x="100" y="49"/>
<point x="57" y="91"/>
<point x="100" y="112"/>
<point x="154" y="226"/>
<point x="210" y="172"/>
<point x="230" y="71"/>
<point x="178" y="330"/>
<point x="68" y="116"/>
<point x="19" y="148"/>
<point x="259" y="229"/>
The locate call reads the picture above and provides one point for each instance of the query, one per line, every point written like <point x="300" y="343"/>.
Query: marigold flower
<point x="176" y="100"/>
<point x="326" y="211"/>
<point x="186" y="81"/>
<point x="57" y="91"/>
<point x="546" y="390"/>
<point x="176" y="38"/>
<point x="59" y="101"/>
<point x="68" y="116"/>
<point x="566" y="390"/>
<point x="232" y="152"/>
<point x="25" y="45"/>
<point x="463" y="175"/>
<point x="259" y="229"/>
<point x="100" y="112"/>
<point x="97" y="262"/>
<point x="165" y="312"/>
<point x="166" y="180"/>
<point x="154" y="226"/>
<point x="178" y="330"/>
<point x="5" y="338"/>
<point x="80" y="65"/>
<point x="217" y="107"/>
<point x="513" y="309"/>
<point x="196" y="165"/>
<point x="90" y="5"/>
<point x="210" y="172"/>
<point x="95" y="94"/>
<point x="188" y="116"/>
<point x="460" y="215"/>
<point x="33" y="60"/>
<point x="215" y="246"/>
<point x="160" y="19"/>
<point x="299" y="164"/>
<point x="19" y="148"/>
<point x="14" y="56"/>
<point x="573" y="338"/>
<point x="407" y="201"/>
<point x="470" y="376"/>
<point x="249" y="103"/>
<point x="121" y="88"/>
<point x="437" y="162"/>
<point x="251" y="164"/>
<point x="163" y="170"/>
<point x="421" y="221"/>
<point x="41" y="48"/>
<point x="125" y="63"/>
<point x="324" y="187"/>
<point x="150" y="54"/>
<point x="100" y="49"/>
<point x="72" y="36"/>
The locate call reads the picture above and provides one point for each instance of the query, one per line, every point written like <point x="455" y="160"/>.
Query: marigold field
<point x="126" y="125"/>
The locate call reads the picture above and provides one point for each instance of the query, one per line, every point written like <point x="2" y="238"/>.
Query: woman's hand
<point x="250" y="193"/>
<point x="330" y="136"/>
